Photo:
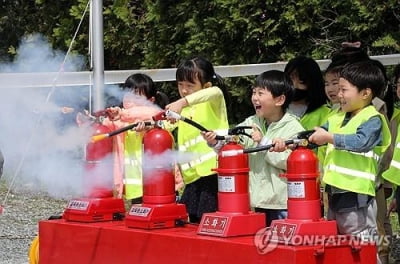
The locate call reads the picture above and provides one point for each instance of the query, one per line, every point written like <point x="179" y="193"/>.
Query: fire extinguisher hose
<point x="190" y="122"/>
<point x="266" y="147"/>
<point x="261" y="148"/>
<point x="99" y="137"/>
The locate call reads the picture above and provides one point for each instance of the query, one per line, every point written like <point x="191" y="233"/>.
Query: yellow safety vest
<point x="133" y="165"/>
<point x="354" y="171"/>
<point x="191" y="141"/>
<point x="316" y="118"/>
<point x="393" y="173"/>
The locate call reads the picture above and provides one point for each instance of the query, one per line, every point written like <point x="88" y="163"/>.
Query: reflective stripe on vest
<point x="369" y="154"/>
<point x="351" y="172"/>
<point x="132" y="181"/>
<point x="191" y="143"/>
<point x="204" y="158"/>
<point x="395" y="164"/>
<point x="198" y="139"/>
<point x="132" y="162"/>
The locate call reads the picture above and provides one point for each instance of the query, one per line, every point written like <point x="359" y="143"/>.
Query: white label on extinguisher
<point x="296" y="190"/>
<point x="226" y="184"/>
<point x="78" y="205"/>
<point x="139" y="211"/>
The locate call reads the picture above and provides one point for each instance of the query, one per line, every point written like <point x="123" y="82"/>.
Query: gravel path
<point x="19" y="221"/>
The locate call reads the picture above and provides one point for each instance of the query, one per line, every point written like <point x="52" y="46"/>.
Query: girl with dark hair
<point x="141" y="101"/>
<point x="309" y="100"/>
<point x="202" y="100"/>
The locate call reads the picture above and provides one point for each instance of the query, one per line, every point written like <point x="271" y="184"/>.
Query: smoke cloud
<point x="42" y="146"/>
<point x="44" y="149"/>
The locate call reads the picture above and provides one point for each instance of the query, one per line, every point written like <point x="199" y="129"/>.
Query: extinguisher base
<point x="94" y="209"/>
<point x="222" y="224"/>
<point x="151" y="216"/>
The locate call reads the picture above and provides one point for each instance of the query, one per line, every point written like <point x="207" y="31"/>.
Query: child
<point x="271" y="96"/>
<point x="331" y="78"/>
<point x="392" y="174"/>
<point x="309" y="99"/>
<point x="203" y="102"/>
<point x="138" y="105"/>
<point x="357" y="136"/>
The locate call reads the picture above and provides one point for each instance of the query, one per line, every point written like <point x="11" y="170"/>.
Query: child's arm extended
<point x="201" y="96"/>
<point x="138" y="113"/>
<point x="367" y="136"/>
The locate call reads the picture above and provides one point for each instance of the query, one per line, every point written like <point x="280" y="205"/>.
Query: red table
<point x="112" y="242"/>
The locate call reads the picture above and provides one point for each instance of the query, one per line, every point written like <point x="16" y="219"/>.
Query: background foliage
<point x="159" y="33"/>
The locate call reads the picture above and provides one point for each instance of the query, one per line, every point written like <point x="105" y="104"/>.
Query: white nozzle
<point x="229" y="153"/>
<point x="173" y="115"/>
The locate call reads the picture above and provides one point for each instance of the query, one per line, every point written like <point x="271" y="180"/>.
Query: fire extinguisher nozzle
<point x="174" y="115"/>
<point x="96" y="138"/>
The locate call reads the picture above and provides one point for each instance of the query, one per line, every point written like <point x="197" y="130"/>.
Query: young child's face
<point x="264" y="103"/>
<point x="351" y="100"/>
<point x="332" y="87"/>
<point x="185" y="88"/>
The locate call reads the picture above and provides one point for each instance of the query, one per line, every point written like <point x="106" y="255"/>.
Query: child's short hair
<point x="333" y="69"/>
<point x="278" y="83"/>
<point x="363" y="75"/>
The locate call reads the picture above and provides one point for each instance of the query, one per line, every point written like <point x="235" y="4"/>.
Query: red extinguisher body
<point x="98" y="165"/>
<point x="158" y="173"/>
<point x="303" y="188"/>
<point x="233" y="180"/>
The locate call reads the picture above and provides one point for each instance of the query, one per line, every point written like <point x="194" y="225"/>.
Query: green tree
<point x="159" y="33"/>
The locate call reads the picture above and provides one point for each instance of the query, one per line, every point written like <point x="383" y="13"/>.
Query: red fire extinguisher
<point x="303" y="188"/>
<point x="98" y="165"/>
<point x="233" y="175"/>
<point x="158" y="174"/>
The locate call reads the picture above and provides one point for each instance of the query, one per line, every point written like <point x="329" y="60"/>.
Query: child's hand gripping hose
<point x="155" y="122"/>
<point x="300" y="140"/>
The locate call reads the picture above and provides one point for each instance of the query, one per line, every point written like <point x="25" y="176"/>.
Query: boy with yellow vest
<point x="357" y="136"/>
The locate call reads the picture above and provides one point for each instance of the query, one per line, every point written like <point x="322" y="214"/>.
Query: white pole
<point x="98" y="55"/>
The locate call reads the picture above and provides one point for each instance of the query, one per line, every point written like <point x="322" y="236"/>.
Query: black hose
<point x="265" y="147"/>
<point x="123" y="129"/>
<point x="200" y="127"/>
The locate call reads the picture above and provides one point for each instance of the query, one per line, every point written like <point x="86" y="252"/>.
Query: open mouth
<point x="257" y="107"/>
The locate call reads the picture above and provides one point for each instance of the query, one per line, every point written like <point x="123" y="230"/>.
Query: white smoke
<point x="41" y="145"/>
<point x="44" y="149"/>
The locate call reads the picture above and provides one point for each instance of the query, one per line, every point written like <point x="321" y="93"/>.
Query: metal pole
<point x="98" y="55"/>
